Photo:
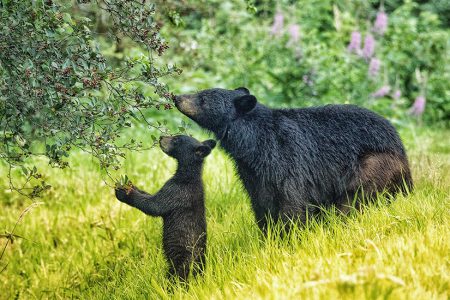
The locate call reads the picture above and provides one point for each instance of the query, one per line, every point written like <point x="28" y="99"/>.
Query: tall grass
<point x="83" y="243"/>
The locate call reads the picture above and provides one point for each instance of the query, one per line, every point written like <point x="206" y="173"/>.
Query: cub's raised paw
<point x="123" y="194"/>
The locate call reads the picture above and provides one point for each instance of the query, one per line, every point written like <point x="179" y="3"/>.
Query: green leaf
<point x="24" y="170"/>
<point x="67" y="18"/>
<point x="68" y="29"/>
<point x="133" y="115"/>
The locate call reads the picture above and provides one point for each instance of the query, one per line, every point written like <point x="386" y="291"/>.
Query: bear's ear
<point x="245" y="103"/>
<point x="243" y="89"/>
<point x="210" y="143"/>
<point x="202" y="151"/>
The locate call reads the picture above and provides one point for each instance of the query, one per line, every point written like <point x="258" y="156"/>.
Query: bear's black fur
<point x="180" y="203"/>
<point x="293" y="160"/>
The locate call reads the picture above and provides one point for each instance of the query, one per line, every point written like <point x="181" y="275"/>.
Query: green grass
<point x="82" y="243"/>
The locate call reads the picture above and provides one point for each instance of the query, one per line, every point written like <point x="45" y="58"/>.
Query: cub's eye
<point x="202" y="102"/>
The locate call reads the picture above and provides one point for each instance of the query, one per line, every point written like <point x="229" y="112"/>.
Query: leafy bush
<point x="59" y="92"/>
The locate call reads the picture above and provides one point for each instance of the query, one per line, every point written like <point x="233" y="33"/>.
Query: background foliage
<point x="74" y="74"/>
<point x="231" y="46"/>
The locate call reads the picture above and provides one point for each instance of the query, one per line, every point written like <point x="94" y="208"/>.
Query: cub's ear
<point x="210" y="143"/>
<point x="245" y="103"/>
<point x="243" y="89"/>
<point x="202" y="151"/>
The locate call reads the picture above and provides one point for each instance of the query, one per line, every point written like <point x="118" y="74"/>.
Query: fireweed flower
<point x="374" y="67"/>
<point x="381" y="92"/>
<point x="418" y="107"/>
<point x="397" y="94"/>
<point x="277" y="26"/>
<point x="355" y="42"/>
<point x="381" y="23"/>
<point x="369" y="46"/>
<point x="307" y="80"/>
<point x="294" y="34"/>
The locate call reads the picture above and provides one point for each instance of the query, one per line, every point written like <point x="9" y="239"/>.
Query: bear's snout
<point x="186" y="104"/>
<point x="165" y="143"/>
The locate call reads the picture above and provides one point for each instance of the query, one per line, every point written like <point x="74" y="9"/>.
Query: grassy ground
<point x="82" y="243"/>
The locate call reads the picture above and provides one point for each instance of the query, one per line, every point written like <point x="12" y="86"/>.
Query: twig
<point x="10" y="236"/>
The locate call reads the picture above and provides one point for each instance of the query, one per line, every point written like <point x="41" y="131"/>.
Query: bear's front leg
<point x="123" y="195"/>
<point x="154" y="205"/>
<point x="265" y="206"/>
<point x="131" y="196"/>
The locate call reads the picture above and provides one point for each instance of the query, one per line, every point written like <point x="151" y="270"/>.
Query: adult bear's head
<point x="214" y="109"/>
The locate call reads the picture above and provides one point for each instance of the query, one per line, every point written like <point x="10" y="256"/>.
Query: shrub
<point x="59" y="92"/>
<point x="297" y="54"/>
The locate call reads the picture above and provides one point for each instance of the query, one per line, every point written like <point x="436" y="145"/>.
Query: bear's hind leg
<point x="180" y="271"/>
<point x="377" y="172"/>
<point x="179" y="261"/>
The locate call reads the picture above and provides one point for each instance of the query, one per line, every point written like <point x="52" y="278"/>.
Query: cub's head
<point x="213" y="109"/>
<point x="185" y="148"/>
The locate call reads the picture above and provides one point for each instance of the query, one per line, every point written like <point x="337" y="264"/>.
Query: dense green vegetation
<point x="83" y="243"/>
<point x="59" y="92"/>
<point x="296" y="53"/>
<point x="73" y="74"/>
<point x="78" y="241"/>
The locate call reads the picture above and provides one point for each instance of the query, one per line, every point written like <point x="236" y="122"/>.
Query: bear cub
<point x="181" y="204"/>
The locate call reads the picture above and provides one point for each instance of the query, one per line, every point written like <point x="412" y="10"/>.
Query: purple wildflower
<point x="374" y="67"/>
<point x="369" y="46"/>
<point x="381" y="23"/>
<point x="355" y="42"/>
<point x="307" y="80"/>
<point x="418" y="107"/>
<point x="294" y="34"/>
<point x="397" y="94"/>
<point x="277" y="26"/>
<point x="381" y="92"/>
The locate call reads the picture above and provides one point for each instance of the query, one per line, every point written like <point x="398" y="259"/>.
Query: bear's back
<point x="347" y="127"/>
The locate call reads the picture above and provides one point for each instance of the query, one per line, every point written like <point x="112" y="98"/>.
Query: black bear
<point x="292" y="161"/>
<point x="180" y="203"/>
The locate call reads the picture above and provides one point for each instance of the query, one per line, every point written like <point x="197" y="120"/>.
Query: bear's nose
<point x="164" y="139"/>
<point x="164" y="142"/>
